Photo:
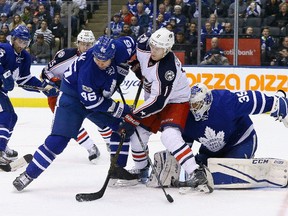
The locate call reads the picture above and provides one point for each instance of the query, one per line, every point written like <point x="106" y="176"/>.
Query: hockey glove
<point x="129" y="124"/>
<point x="279" y="109"/>
<point x="7" y="81"/>
<point x="121" y="110"/>
<point x="135" y="67"/>
<point x="50" y="89"/>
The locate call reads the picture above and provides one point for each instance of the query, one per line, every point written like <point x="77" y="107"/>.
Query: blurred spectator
<point x="253" y="10"/>
<point x="47" y="33"/>
<point x="214" y="46"/>
<point x="35" y="23"/>
<point x="281" y="18"/>
<point x="16" y="21"/>
<point x="148" y="8"/>
<point x="179" y="18"/>
<point x="34" y="6"/>
<point x="170" y="27"/>
<point x="40" y="50"/>
<point x="27" y="16"/>
<point x="216" y="26"/>
<point x="136" y="29"/>
<point x="43" y="14"/>
<point x="3" y="38"/>
<point x="30" y="29"/>
<point x="5" y="29"/>
<point x="82" y="10"/>
<point x="193" y="11"/>
<point x="126" y="31"/>
<point x="192" y="37"/>
<point x="162" y="10"/>
<point x="219" y="8"/>
<point x="242" y="6"/>
<point x="271" y="8"/>
<point x="267" y="44"/>
<point x="207" y="31"/>
<point x="281" y="59"/>
<point x="228" y="30"/>
<point x="126" y="15"/>
<point x="143" y="18"/>
<point x="215" y="59"/>
<point x="4" y="19"/>
<point x="249" y="32"/>
<point x="183" y="45"/>
<point x="168" y="6"/>
<point x="5" y="7"/>
<point x="116" y="25"/>
<point x="18" y="6"/>
<point x="58" y="31"/>
<point x="132" y="6"/>
<point x="74" y="16"/>
<point x="160" y="22"/>
<point x="53" y="8"/>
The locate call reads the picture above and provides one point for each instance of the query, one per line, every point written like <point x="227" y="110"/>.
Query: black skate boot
<point x="22" y="181"/>
<point x="94" y="153"/>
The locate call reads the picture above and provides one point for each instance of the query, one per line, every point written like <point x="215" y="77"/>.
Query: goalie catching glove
<point x="280" y="108"/>
<point x="130" y="122"/>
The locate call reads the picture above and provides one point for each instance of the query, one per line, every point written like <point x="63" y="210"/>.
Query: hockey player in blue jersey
<point x="15" y="65"/>
<point x="54" y="73"/>
<point x="219" y="120"/>
<point x="86" y="91"/>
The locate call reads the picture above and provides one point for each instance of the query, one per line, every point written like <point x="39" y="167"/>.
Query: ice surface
<point x="53" y="193"/>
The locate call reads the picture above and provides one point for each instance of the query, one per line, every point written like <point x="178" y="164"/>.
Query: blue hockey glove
<point x="50" y="89"/>
<point x="121" y="110"/>
<point x="129" y="124"/>
<point x="7" y="81"/>
<point x="280" y="108"/>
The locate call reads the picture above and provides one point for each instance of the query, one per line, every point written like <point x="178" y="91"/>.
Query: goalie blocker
<point x="227" y="173"/>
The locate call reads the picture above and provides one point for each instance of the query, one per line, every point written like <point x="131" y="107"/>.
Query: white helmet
<point x="162" y="38"/>
<point x="86" y="36"/>
<point x="200" y="101"/>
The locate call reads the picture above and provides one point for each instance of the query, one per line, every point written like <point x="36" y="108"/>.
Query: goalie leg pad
<point x="166" y="167"/>
<point x="248" y="173"/>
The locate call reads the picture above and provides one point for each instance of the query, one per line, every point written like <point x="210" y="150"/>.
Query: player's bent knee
<point x="56" y="143"/>
<point x="170" y="136"/>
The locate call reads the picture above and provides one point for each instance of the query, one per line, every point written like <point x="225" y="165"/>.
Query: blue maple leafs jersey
<point x="93" y="86"/>
<point x="228" y="122"/>
<point x="18" y="64"/>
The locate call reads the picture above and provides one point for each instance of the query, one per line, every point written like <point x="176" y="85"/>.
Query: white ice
<point x="53" y="193"/>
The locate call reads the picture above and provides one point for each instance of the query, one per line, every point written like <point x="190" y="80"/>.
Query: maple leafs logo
<point x="212" y="140"/>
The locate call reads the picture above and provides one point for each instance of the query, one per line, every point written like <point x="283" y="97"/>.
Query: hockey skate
<point x="143" y="174"/>
<point x="8" y="156"/>
<point x="120" y="177"/>
<point x="94" y="153"/>
<point x="22" y="181"/>
<point x="200" y="180"/>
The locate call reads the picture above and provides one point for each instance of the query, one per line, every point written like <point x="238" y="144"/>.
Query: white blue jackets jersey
<point x="18" y="64"/>
<point x="165" y="81"/>
<point x="61" y="62"/>
<point x="227" y="123"/>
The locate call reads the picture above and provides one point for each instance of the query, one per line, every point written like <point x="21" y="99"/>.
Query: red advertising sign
<point x="248" y="50"/>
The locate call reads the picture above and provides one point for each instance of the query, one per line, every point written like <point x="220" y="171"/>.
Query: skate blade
<point x="122" y="183"/>
<point x="199" y="188"/>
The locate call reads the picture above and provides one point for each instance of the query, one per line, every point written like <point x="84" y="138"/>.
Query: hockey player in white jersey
<point x="54" y="73"/>
<point x="166" y="95"/>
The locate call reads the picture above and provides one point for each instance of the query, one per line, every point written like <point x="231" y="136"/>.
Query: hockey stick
<point x="82" y="197"/>
<point x="17" y="164"/>
<point x="168" y="197"/>
<point x="29" y="87"/>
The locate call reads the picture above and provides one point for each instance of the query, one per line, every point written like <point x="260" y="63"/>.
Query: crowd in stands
<point x="47" y="22"/>
<point x="263" y="19"/>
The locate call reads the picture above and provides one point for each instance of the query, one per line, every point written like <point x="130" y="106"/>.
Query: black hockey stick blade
<point x="85" y="197"/>
<point x="17" y="164"/>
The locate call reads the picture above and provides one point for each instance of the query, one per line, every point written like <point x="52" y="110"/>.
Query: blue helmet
<point x="104" y="49"/>
<point x="21" y="32"/>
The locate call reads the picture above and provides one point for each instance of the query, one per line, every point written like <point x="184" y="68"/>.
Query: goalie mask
<point x="200" y="101"/>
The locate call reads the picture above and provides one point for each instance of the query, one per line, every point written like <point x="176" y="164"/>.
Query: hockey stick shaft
<point x="29" y="87"/>
<point x="82" y="197"/>
<point x="169" y="198"/>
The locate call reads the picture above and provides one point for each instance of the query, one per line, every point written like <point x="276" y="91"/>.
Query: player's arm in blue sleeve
<point x="249" y="102"/>
<point x="6" y="78"/>
<point x="125" y="49"/>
